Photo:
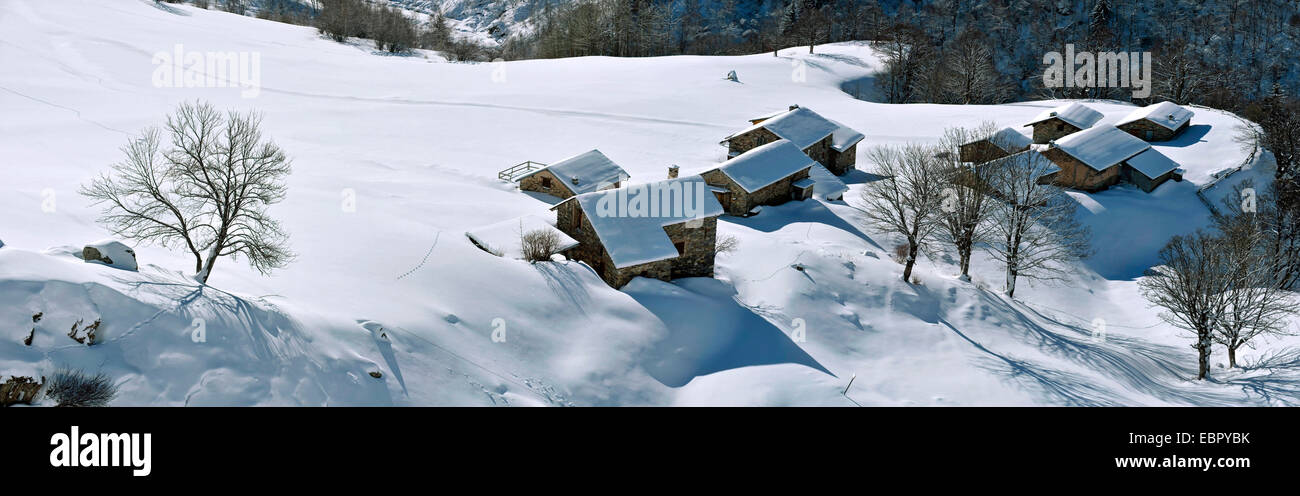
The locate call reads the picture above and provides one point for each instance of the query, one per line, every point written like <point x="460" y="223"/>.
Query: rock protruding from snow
<point x="111" y="253"/>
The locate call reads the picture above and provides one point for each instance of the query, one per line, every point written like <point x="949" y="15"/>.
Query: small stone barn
<point x="584" y="173"/>
<point x="844" y="150"/>
<point x="1097" y="158"/>
<point x="1159" y="122"/>
<point x="812" y="133"/>
<point x="1043" y="168"/>
<point x="1062" y="121"/>
<point x="663" y="230"/>
<point x="1004" y="142"/>
<point x="771" y="174"/>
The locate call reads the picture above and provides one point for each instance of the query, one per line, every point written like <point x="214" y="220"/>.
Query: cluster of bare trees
<point x="1222" y="286"/>
<point x="206" y="189"/>
<point x="927" y="193"/>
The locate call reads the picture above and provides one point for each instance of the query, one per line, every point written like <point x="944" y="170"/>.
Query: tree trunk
<point x="206" y="271"/>
<point x="1203" y="351"/>
<point x="1232" y="356"/>
<point x="912" y="248"/>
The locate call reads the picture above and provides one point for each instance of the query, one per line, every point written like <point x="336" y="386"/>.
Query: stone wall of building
<point x="1052" y="129"/>
<point x="821" y="152"/>
<point x="535" y="182"/>
<point x="1141" y="127"/>
<point x="748" y="141"/>
<point x="743" y="201"/>
<point x="1078" y="175"/>
<point x="980" y="151"/>
<point x="843" y="162"/>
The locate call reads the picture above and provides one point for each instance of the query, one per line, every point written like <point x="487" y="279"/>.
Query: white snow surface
<point x="506" y="236"/>
<point x="1167" y="114"/>
<point x="393" y="287"/>
<point x="1077" y="114"/>
<point x="592" y="169"/>
<point x="763" y="165"/>
<point x="1101" y="147"/>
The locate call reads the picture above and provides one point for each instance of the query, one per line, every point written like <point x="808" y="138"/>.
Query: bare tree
<point x="1033" y="227"/>
<point x="908" y="197"/>
<point x="208" y="192"/>
<point x="965" y="206"/>
<point x="972" y="77"/>
<point x="1191" y="284"/>
<point x="1256" y="301"/>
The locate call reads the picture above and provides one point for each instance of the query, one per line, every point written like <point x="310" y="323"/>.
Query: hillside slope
<point x="394" y="286"/>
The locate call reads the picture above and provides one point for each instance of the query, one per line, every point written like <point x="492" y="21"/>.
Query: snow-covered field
<point x="394" y="286"/>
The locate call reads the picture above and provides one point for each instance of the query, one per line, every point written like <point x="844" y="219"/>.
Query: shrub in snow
<point x="726" y="244"/>
<point x="77" y="388"/>
<point x="2" y="243"/>
<point x="538" y="245"/>
<point x="20" y="390"/>
<point x="111" y="253"/>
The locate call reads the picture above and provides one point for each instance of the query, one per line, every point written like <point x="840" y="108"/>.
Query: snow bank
<point x="504" y="237"/>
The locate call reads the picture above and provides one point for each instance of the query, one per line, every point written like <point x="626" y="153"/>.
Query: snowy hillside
<point x="396" y="157"/>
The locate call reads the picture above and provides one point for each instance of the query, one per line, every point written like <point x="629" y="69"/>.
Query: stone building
<point x="1100" y="157"/>
<point x="584" y="173"/>
<point x="663" y="230"/>
<point x="771" y="174"/>
<point x="1062" y="121"/>
<point x="1004" y="142"/>
<point x="828" y="142"/>
<point x="1159" y="122"/>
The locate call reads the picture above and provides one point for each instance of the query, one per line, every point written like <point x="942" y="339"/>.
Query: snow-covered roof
<point x="593" y="169"/>
<point x="1041" y="165"/>
<point x="1101" y="147"/>
<point x="1167" y="114"/>
<point x="804" y="183"/>
<point x="760" y="167"/>
<point x="504" y="237"/>
<point x="844" y="137"/>
<point x="1152" y="163"/>
<point x="630" y="220"/>
<point x="1010" y="140"/>
<point x="828" y="184"/>
<point x="801" y="126"/>
<point x="1075" y="114"/>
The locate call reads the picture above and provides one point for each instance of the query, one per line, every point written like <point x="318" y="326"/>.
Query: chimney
<point x="672" y="172"/>
<point x="1053" y="114"/>
<point x="1171" y="117"/>
<point x="574" y="179"/>
<point x="795" y="106"/>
